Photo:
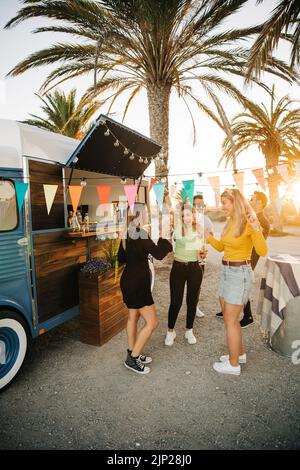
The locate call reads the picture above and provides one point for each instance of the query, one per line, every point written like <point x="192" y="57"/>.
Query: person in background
<point x="205" y="222"/>
<point x="185" y="271"/>
<point x="258" y="203"/>
<point x="241" y="233"/>
<point x="135" y="285"/>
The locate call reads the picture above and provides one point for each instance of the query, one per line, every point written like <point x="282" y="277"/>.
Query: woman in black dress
<point x="136" y="289"/>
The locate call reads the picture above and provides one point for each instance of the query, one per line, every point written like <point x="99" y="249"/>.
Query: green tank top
<point x="187" y="247"/>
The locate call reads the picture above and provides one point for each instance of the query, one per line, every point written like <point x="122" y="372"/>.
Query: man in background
<point x="206" y="223"/>
<point x="258" y="203"/>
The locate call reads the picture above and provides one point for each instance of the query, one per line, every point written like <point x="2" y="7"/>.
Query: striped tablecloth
<point x="280" y="284"/>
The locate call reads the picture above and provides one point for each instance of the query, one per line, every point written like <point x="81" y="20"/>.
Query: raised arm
<point x="160" y="250"/>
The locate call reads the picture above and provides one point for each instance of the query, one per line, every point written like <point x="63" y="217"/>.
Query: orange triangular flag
<point x="75" y="193"/>
<point x="103" y="193"/>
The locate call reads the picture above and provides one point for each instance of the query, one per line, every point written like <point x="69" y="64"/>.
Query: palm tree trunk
<point x="158" y="104"/>
<point x="273" y="183"/>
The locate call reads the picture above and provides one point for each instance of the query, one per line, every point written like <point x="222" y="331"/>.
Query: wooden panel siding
<point x="45" y="173"/>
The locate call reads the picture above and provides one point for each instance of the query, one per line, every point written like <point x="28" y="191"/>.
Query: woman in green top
<point x="185" y="270"/>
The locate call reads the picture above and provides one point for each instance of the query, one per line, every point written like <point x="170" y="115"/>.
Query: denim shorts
<point x="235" y="284"/>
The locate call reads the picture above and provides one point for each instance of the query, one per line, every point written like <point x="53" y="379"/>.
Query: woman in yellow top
<point x="241" y="233"/>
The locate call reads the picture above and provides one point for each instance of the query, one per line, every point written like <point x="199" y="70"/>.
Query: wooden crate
<point x="102" y="311"/>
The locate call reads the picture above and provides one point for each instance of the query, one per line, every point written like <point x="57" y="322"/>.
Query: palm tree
<point x="284" y="22"/>
<point x="275" y="131"/>
<point x="63" y="116"/>
<point x="156" y="45"/>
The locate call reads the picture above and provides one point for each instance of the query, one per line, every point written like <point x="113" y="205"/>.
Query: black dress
<point x="135" y="281"/>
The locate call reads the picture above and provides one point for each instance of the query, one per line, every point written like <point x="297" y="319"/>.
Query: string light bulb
<point x="102" y="122"/>
<point x="146" y="160"/>
<point x="106" y="133"/>
<point x="116" y="143"/>
<point x="126" y="151"/>
<point x="83" y="182"/>
<point x="123" y="180"/>
<point x="131" y="156"/>
<point x="141" y="160"/>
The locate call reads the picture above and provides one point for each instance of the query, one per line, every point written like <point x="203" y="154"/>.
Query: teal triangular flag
<point x="159" y="189"/>
<point x="21" y="189"/>
<point x="188" y="190"/>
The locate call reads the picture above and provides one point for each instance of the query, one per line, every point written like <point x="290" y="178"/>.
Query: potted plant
<point x="102" y="311"/>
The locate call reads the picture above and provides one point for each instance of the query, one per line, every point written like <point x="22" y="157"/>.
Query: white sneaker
<point x="199" y="313"/>
<point x="227" y="368"/>
<point x="190" y="336"/>
<point x="169" y="339"/>
<point x="242" y="358"/>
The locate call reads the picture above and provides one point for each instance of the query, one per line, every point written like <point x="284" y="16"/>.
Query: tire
<point x="13" y="346"/>
<point x="152" y="273"/>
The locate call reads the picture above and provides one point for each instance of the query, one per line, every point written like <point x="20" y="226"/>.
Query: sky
<point x="17" y="100"/>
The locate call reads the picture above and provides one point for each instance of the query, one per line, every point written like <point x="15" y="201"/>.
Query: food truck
<point x="39" y="263"/>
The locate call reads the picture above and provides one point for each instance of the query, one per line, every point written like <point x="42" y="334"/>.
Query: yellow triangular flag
<point x="50" y="191"/>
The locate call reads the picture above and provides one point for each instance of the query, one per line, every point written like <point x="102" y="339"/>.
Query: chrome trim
<point x="30" y="257"/>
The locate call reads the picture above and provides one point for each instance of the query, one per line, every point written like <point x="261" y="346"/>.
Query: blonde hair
<point x="192" y="209"/>
<point x="242" y="210"/>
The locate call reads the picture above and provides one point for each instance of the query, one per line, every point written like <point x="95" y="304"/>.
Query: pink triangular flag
<point x="239" y="180"/>
<point x="259" y="175"/>
<point x="131" y="191"/>
<point x="214" y="181"/>
<point x="283" y="171"/>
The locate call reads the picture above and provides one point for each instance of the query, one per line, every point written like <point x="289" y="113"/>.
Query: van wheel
<point x="13" y="346"/>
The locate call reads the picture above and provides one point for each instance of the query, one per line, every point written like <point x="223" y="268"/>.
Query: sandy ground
<point x="73" y="396"/>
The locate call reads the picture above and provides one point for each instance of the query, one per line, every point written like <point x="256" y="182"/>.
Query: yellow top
<point x="240" y="248"/>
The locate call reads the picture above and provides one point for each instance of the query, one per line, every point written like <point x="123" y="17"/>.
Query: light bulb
<point x="126" y="151"/>
<point x="102" y="122"/>
<point x="131" y="156"/>
<point x="83" y="182"/>
<point x="117" y="143"/>
<point x="141" y="160"/>
<point x="146" y="160"/>
<point x="163" y="179"/>
<point x="123" y="180"/>
<point x="106" y="133"/>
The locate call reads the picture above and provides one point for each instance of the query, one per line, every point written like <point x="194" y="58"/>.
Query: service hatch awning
<point x="97" y="152"/>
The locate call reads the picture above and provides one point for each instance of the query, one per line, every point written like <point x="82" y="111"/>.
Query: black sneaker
<point x="219" y="314"/>
<point x="143" y="358"/>
<point x="246" y="321"/>
<point x="135" y="364"/>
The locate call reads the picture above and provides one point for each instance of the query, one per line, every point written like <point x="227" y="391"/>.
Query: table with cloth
<point x="279" y="302"/>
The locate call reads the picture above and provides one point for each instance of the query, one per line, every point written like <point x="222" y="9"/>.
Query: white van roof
<point x="18" y="140"/>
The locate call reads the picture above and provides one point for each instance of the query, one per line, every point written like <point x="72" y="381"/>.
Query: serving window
<point x="8" y="206"/>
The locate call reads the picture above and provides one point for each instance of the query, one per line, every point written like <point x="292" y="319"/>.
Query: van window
<point x="8" y="206"/>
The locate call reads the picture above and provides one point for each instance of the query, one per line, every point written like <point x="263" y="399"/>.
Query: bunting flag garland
<point x="50" y="192"/>
<point x="75" y="193"/>
<point x="239" y="180"/>
<point x="188" y="190"/>
<point x="283" y="171"/>
<point x="259" y="175"/>
<point x="21" y="189"/>
<point x="103" y="193"/>
<point x="159" y="189"/>
<point x="152" y="181"/>
<point x="131" y="192"/>
<point x="214" y="181"/>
